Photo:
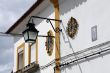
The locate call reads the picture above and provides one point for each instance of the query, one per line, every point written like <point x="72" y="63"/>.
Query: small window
<point x="20" y="56"/>
<point x="20" y="60"/>
<point x="94" y="33"/>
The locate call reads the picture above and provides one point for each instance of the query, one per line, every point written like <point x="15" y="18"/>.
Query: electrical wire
<point x="103" y="51"/>
<point x="10" y="34"/>
<point x="71" y="47"/>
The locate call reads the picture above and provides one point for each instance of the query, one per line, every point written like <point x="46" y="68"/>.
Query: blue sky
<point x="10" y="12"/>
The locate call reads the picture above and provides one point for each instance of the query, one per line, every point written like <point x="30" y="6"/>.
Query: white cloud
<point x="6" y="62"/>
<point x="10" y="11"/>
<point x="6" y="56"/>
<point x="7" y="68"/>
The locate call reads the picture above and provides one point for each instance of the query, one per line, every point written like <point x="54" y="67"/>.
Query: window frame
<point x="17" y="55"/>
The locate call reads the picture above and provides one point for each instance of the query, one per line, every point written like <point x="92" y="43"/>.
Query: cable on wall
<point x="70" y="45"/>
<point x="83" y="55"/>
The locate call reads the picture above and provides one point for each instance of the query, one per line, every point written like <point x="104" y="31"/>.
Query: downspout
<point x="57" y="34"/>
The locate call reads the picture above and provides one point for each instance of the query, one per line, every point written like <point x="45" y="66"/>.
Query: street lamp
<point x="30" y="33"/>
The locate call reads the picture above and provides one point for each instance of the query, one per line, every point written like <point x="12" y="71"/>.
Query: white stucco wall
<point x="88" y="13"/>
<point x="98" y="65"/>
<point x="33" y="53"/>
<point x="43" y="27"/>
<point x="16" y="45"/>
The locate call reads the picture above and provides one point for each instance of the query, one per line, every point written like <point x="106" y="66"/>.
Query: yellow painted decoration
<point x="29" y="53"/>
<point x="57" y="34"/>
<point x="49" y="43"/>
<point x="37" y="50"/>
<point x="72" y="27"/>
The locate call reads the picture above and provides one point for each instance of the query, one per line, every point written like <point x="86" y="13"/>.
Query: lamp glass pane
<point x="26" y="36"/>
<point x="32" y="35"/>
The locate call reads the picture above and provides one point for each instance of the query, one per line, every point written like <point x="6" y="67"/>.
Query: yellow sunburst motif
<point x="72" y="28"/>
<point x="49" y="43"/>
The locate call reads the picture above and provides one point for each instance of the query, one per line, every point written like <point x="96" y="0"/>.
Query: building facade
<point x="82" y="45"/>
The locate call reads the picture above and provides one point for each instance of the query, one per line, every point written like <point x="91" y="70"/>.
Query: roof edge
<point x="36" y="4"/>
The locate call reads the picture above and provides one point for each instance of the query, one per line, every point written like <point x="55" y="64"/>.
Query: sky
<point x="10" y="12"/>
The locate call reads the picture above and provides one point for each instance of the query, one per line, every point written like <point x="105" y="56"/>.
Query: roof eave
<point x="38" y="2"/>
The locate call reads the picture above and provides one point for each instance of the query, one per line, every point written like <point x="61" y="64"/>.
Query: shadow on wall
<point x="65" y="7"/>
<point x="70" y="4"/>
<point x="46" y="12"/>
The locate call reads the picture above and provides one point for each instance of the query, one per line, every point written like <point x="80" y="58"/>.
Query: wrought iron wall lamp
<point x="31" y="33"/>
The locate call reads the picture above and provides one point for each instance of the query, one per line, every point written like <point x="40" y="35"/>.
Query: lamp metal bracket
<point x="48" y="20"/>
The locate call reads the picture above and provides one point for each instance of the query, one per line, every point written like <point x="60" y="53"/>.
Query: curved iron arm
<point x="45" y="36"/>
<point x="48" y="20"/>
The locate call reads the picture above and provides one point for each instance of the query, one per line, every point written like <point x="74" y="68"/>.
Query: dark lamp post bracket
<point x="48" y="20"/>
